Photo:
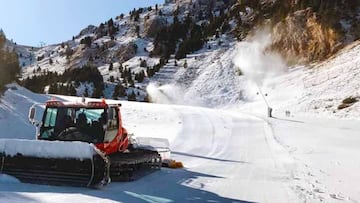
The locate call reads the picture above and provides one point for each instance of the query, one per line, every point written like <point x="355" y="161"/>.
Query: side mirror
<point x="32" y="113"/>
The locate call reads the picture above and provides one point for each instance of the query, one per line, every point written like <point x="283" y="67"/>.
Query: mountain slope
<point x="130" y="49"/>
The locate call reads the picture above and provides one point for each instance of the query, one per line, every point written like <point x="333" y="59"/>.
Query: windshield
<point x="73" y="123"/>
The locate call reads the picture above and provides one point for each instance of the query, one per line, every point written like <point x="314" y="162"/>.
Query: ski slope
<point x="326" y="151"/>
<point x="229" y="156"/>
<point x="208" y="143"/>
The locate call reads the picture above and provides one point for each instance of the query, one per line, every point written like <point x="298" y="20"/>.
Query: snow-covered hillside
<point x="212" y="74"/>
<point x="14" y="107"/>
<point x="209" y="79"/>
<point x="122" y="43"/>
<point x="124" y="48"/>
<point x="319" y="89"/>
<point x="212" y="79"/>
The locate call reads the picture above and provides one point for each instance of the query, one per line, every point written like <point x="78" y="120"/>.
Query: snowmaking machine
<point x="78" y="144"/>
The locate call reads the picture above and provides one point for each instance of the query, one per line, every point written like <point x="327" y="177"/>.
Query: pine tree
<point x="137" y="30"/>
<point x="86" y="92"/>
<point x="131" y="96"/>
<point x="98" y="92"/>
<point x="112" y="79"/>
<point x="53" y="89"/>
<point x="121" y="68"/>
<point x="9" y="64"/>
<point x="140" y="76"/>
<point x="86" y="41"/>
<point x="185" y="64"/>
<point x="111" y="27"/>
<point x="119" y="91"/>
<point x="143" y="63"/>
<point x="71" y="90"/>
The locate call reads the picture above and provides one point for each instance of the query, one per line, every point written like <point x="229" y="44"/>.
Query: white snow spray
<point x="165" y="94"/>
<point x="255" y="62"/>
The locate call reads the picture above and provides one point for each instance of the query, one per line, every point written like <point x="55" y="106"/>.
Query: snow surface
<point x="206" y="141"/>
<point x="229" y="156"/>
<point x="14" y="108"/>
<point x="47" y="149"/>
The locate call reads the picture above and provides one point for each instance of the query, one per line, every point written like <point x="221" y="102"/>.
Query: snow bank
<point x="47" y="149"/>
<point x="14" y="108"/>
<point x="8" y="179"/>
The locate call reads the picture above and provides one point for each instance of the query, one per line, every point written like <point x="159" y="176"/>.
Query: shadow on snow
<point x="166" y="185"/>
<point x="209" y="158"/>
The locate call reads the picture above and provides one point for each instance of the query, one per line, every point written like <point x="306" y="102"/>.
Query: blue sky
<point x="30" y="22"/>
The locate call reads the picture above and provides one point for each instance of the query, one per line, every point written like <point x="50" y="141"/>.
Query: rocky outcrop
<point x="302" y="30"/>
<point x="153" y="25"/>
<point x="301" y="37"/>
<point x="126" y="52"/>
<point x="88" y="30"/>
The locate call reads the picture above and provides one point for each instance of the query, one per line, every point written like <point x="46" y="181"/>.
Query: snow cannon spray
<point x="255" y="61"/>
<point x="258" y="63"/>
<point x="165" y="94"/>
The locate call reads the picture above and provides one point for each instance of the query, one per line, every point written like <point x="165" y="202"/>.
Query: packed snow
<point x="47" y="149"/>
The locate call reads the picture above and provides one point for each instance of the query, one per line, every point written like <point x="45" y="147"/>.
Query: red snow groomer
<point x="78" y="144"/>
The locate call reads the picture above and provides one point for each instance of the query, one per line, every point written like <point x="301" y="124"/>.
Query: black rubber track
<point x="56" y="171"/>
<point x="129" y="166"/>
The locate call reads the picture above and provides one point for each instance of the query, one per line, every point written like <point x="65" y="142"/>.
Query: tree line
<point x="67" y="82"/>
<point x="9" y="63"/>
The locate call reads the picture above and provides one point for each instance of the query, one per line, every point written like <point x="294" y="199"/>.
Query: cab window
<point x="49" y="122"/>
<point x="50" y="118"/>
<point x="113" y="125"/>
